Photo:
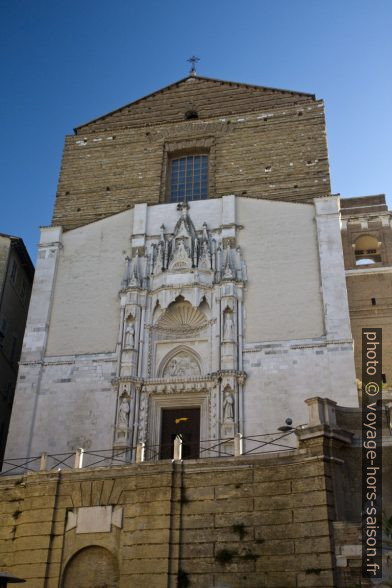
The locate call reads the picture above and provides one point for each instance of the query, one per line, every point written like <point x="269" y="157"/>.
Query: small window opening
<point x="191" y="115"/>
<point x="384" y="378"/>
<point x="374" y="302"/>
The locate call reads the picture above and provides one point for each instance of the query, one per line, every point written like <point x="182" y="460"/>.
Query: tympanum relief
<point x="182" y="365"/>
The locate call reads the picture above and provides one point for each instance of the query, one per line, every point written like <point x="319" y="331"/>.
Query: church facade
<point x="191" y="295"/>
<point x="232" y="307"/>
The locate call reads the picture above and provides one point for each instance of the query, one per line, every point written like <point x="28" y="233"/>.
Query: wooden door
<point x="184" y="422"/>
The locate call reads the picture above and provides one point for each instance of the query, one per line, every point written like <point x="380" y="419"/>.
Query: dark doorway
<point x="184" y="422"/>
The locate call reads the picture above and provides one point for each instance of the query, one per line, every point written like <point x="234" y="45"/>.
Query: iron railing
<point x="236" y="446"/>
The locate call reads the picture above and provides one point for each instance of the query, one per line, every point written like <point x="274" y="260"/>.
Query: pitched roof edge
<point x="313" y="96"/>
<point x="20" y="247"/>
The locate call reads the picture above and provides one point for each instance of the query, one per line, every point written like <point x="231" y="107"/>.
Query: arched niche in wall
<point x="367" y="250"/>
<point x="91" y="566"/>
<point x="181" y="317"/>
<point x="204" y="307"/>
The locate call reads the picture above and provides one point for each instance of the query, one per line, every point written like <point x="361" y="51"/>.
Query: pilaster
<point x="22" y="424"/>
<point x="333" y="283"/>
<point x="37" y="327"/>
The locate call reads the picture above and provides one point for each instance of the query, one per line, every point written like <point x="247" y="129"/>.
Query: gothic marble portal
<point x="183" y="292"/>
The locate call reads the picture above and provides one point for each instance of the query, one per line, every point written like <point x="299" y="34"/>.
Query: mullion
<point x="189" y="178"/>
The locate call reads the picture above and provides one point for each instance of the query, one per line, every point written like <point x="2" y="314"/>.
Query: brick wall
<point x="369" y="287"/>
<point x="262" y="143"/>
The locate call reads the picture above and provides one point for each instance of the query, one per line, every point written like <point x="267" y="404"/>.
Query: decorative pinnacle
<point x="193" y="60"/>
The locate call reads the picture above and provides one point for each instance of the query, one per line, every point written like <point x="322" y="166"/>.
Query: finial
<point x="183" y="207"/>
<point x="193" y="60"/>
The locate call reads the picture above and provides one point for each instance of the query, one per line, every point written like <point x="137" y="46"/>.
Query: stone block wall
<point x="348" y="541"/>
<point x="256" y="522"/>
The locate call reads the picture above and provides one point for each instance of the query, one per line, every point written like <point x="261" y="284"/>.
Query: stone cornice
<point x="295" y="344"/>
<point x="369" y="271"/>
<point x="184" y="382"/>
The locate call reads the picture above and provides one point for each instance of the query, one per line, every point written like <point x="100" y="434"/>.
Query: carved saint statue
<point x="159" y="259"/>
<point x="181" y="258"/>
<point x="123" y="413"/>
<point x="228" y="407"/>
<point x="228" y="327"/>
<point x="130" y="335"/>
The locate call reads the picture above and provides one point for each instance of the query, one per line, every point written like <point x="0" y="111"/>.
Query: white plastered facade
<point x="233" y="305"/>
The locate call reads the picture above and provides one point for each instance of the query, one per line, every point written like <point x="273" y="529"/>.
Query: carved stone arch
<point x="91" y="566"/>
<point x="182" y="316"/>
<point x="180" y="362"/>
<point x="367" y="249"/>
<point x="179" y="295"/>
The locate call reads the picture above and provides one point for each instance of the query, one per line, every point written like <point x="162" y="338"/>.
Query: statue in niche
<point x="123" y="413"/>
<point x="181" y="259"/>
<point x="130" y="335"/>
<point x="159" y="259"/>
<point x="228" y="407"/>
<point x="228" y="326"/>
<point x="204" y="256"/>
<point x="181" y="366"/>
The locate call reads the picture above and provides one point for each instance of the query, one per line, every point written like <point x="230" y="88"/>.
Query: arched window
<point x="189" y="178"/>
<point x="367" y="250"/>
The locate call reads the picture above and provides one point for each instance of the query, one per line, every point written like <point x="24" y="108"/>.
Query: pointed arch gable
<point x="180" y="351"/>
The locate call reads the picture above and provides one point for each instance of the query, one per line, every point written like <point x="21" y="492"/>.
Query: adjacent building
<point x="16" y="280"/>
<point x="367" y="246"/>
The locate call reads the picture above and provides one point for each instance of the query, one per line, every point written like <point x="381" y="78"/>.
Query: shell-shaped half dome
<point x="181" y="316"/>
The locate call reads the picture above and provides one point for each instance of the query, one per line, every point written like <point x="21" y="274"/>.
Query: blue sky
<point x="64" y="62"/>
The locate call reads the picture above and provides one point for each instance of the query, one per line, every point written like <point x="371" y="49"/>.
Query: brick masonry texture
<point x="263" y="143"/>
<point x="369" y="288"/>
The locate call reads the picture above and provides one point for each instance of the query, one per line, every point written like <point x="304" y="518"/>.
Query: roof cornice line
<point x="182" y="80"/>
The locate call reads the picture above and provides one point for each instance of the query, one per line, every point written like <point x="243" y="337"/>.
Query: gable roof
<point x="195" y="91"/>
